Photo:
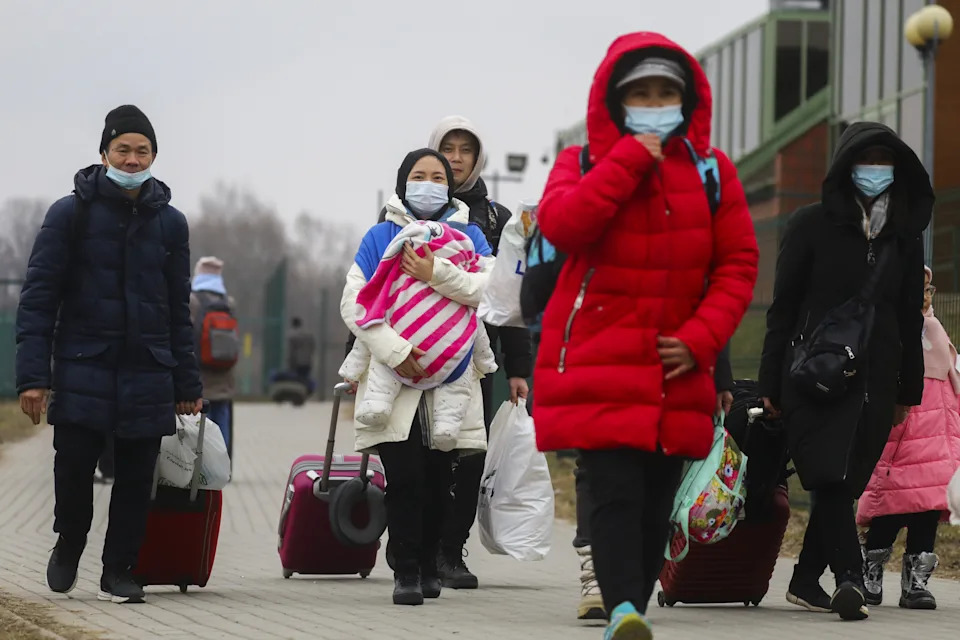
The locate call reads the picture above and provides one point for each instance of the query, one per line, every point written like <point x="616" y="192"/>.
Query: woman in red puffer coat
<point x="653" y="288"/>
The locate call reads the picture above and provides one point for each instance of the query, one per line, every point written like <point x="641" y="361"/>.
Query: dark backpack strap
<point x="585" y="164"/>
<point x="869" y="292"/>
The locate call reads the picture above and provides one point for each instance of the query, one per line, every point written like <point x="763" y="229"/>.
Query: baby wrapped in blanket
<point x="449" y="333"/>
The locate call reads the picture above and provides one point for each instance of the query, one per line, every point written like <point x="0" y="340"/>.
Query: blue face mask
<point x="426" y="198"/>
<point x="127" y="181"/>
<point x="659" y="120"/>
<point x="872" y="179"/>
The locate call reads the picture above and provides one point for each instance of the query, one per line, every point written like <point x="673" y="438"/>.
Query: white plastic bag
<point x="176" y="460"/>
<point x="500" y="305"/>
<point x="178" y="456"/>
<point x="953" y="498"/>
<point x="515" y="511"/>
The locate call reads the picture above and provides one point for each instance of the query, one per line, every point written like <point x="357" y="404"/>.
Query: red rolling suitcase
<point x="737" y="569"/>
<point x="182" y="531"/>
<point x="311" y="540"/>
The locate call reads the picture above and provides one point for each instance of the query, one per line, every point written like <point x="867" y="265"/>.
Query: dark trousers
<point x="418" y="494"/>
<point x="831" y="536"/>
<point x="632" y="493"/>
<point x="921" y="531"/>
<point x="467" y="474"/>
<point x="584" y="504"/>
<point x="77" y="451"/>
<point x="221" y="412"/>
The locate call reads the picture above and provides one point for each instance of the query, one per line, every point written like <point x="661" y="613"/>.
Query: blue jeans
<point x="221" y="413"/>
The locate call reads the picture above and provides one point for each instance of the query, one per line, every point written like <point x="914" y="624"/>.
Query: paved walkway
<point x="248" y="599"/>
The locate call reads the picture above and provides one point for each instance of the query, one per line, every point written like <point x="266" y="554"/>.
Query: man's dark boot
<point x="118" y="586"/>
<point x="63" y="564"/>
<point x="454" y="571"/>
<point x="430" y="582"/>
<point x="805" y="591"/>
<point x="406" y="588"/>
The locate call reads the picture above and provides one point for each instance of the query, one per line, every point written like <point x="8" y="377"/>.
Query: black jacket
<point x="514" y="342"/>
<point x="115" y="317"/>
<point x="822" y="263"/>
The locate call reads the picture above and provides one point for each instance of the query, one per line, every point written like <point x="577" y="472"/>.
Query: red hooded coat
<point x="646" y="259"/>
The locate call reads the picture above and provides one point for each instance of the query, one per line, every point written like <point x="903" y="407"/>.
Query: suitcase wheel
<point x="365" y="573"/>
<point x="286" y="574"/>
<point x="183" y="587"/>
<point x="662" y="600"/>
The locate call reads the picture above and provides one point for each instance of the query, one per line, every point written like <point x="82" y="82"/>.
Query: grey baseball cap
<point x="655" y="67"/>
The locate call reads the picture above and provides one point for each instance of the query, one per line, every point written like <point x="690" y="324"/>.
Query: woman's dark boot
<point x="917" y="569"/>
<point x="848" y="600"/>
<point x="805" y="591"/>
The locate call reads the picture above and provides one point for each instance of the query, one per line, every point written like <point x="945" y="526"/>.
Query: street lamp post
<point x="516" y="164"/>
<point x="926" y="30"/>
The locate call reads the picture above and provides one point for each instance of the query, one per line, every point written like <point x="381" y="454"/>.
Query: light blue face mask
<point x="127" y="181"/>
<point x="659" y="120"/>
<point x="426" y="198"/>
<point x="872" y="179"/>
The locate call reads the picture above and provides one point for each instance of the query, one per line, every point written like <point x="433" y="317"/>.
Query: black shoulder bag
<point x="828" y="361"/>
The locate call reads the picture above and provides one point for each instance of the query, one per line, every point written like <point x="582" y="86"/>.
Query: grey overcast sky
<point x="311" y="104"/>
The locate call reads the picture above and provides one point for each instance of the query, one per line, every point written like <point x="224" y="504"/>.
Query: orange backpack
<point x="218" y="338"/>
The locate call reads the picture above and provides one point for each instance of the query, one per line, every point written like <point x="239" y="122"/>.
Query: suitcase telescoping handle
<point x="198" y="464"/>
<point x="338" y="393"/>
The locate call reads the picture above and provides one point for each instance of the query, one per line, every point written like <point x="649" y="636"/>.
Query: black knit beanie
<point x="407" y="166"/>
<point x="126" y="119"/>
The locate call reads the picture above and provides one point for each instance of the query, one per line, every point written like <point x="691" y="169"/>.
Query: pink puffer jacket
<point x="921" y="456"/>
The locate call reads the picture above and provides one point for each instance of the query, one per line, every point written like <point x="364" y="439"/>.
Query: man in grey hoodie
<point x="460" y="142"/>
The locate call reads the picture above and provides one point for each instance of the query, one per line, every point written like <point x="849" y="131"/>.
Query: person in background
<point x="106" y="301"/>
<point x="461" y="144"/>
<point x="653" y="287"/>
<point x="219" y="384"/>
<point x="301" y="346"/>
<point x="420" y="475"/>
<point x="876" y="201"/>
<point x="909" y="484"/>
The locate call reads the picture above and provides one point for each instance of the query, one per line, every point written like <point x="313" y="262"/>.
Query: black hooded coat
<point x="823" y="261"/>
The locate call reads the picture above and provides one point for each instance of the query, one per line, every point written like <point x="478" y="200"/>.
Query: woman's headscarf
<point x="407" y="166"/>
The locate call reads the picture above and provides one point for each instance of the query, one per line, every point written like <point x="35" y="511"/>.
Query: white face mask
<point x="427" y="198"/>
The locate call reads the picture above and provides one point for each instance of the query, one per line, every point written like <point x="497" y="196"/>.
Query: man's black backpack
<point x="544" y="262"/>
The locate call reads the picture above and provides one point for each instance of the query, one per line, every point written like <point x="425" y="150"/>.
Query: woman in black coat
<point x="875" y="204"/>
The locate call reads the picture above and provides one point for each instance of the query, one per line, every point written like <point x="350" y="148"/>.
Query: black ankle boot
<point x="406" y="588"/>
<point x="805" y="591"/>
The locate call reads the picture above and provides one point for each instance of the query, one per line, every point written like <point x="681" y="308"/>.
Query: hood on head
<point x="603" y="131"/>
<point x="459" y="123"/>
<point x="912" y="192"/>
<point x="92" y="182"/>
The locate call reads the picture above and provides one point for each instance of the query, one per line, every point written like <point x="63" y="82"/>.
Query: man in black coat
<point x="460" y="142"/>
<point x="107" y="298"/>
<point x="876" y="202"/>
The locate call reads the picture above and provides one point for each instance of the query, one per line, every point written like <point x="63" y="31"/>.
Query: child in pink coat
<point x="909" y="484"/>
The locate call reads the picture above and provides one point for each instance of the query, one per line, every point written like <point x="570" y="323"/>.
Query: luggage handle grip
<point x="338" y="392"/>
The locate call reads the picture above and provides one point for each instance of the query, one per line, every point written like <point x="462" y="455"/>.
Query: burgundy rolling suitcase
<point x="332" y="515"/>
<point x="183" y="527"/>
<point x="737" y="569"/>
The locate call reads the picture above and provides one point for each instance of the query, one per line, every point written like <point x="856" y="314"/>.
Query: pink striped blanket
<point x="444" y="329"/>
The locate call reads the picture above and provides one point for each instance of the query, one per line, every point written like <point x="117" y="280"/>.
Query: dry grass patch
<point x="21" y="620"/>
<point x="13" y="424"/>
<point x="948" y="537"/>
